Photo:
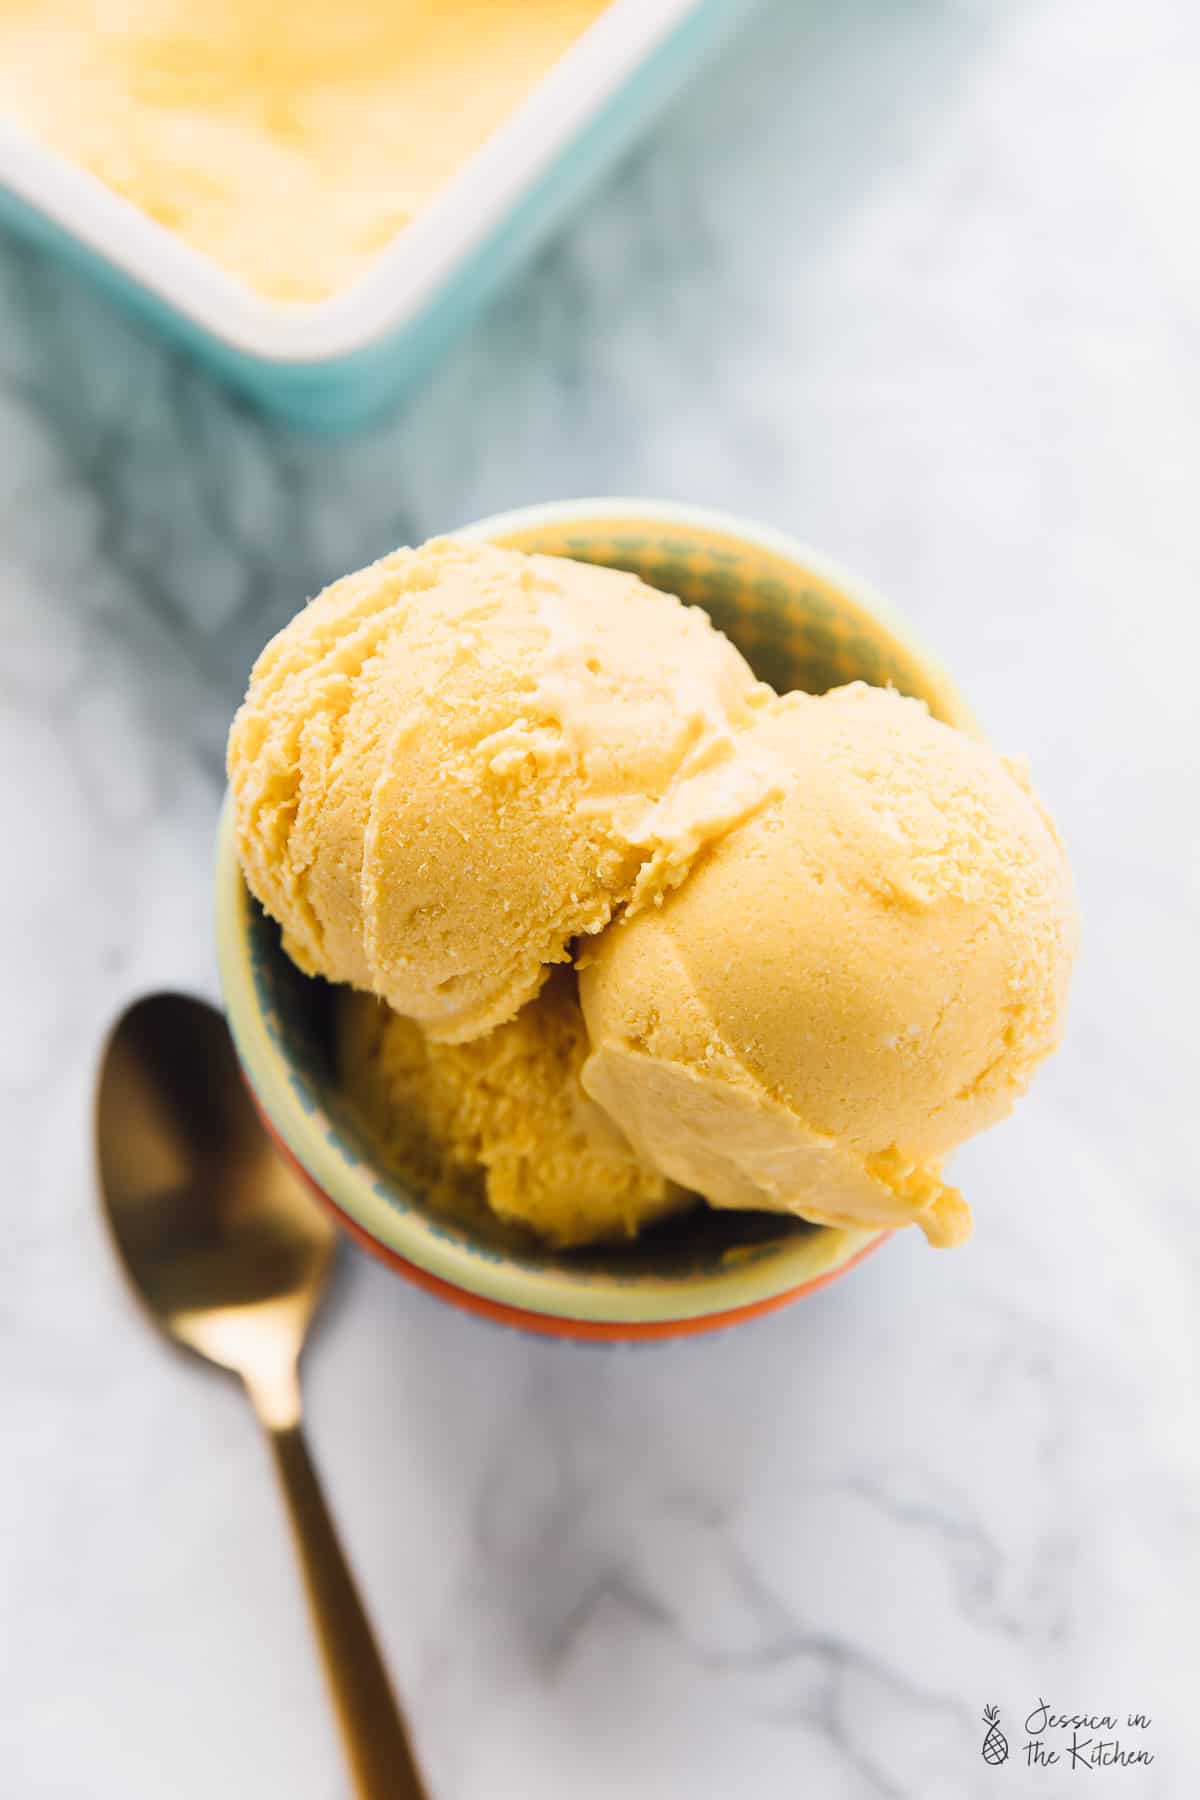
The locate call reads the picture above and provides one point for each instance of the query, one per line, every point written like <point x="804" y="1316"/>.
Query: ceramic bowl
<point x="801" y="623"/>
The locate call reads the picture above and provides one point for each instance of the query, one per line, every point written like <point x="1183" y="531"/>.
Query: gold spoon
<point x="230" y="1254"/>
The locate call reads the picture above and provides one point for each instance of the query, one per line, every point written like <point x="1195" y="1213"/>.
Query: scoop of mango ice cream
<point x="502" y="1119"/>
<point x="859" y="977"/>
<point x="454" y="762"/>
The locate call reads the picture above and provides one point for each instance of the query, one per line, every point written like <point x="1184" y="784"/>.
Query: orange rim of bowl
<point x="551" y="1324"/>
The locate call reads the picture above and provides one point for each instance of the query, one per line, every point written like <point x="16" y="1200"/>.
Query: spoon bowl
<point x="218" y="1235"/>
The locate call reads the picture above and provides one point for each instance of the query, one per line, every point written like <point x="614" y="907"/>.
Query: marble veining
<point x="918" y="282"/>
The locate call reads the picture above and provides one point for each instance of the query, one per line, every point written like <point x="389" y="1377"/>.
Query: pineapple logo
<point x="995" y="1744"/>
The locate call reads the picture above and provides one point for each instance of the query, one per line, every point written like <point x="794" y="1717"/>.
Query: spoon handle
<point x="372" y="1728"/>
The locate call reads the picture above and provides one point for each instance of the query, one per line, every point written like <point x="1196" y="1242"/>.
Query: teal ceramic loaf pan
<point x="335" y="364"/>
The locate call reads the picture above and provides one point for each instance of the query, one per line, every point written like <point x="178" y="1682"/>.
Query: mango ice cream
<point x="616" y="925"/>
<point x="856" y="980"/>
<point x="291" y="144"/>
<point x="502" y="1120"/>
<point x="459" y="761"/>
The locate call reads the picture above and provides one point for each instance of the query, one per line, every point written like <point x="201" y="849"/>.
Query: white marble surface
<point x="921" y="283"/>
